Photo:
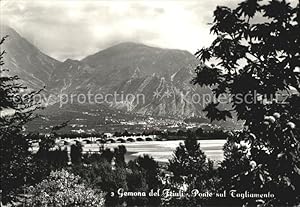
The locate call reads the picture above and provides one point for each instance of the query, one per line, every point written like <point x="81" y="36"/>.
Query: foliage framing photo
<point x="256" y="56"/>
<point x="20" y="167"/>
<point x="17" y="164"/>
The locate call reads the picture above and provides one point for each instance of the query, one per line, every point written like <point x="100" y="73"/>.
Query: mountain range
<point x="160" y="76"/>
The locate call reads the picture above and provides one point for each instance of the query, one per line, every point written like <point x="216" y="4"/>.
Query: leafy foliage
<point x="119" y="154"/>
<point x="18" y="166"/>
<point x="136" y="182"/>
<point x="191" y="169"/>
<point x="146" y="169"/>
<point x="76" y="153"/>
<point x="252" y="56"/>
<point x="62" y="188"/>
<point x="108" y="172"/>
<point x="100" y="173"/>
<point x="259" y="67"/>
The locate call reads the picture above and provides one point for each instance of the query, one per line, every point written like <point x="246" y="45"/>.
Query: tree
<point x="257" y="66"/>
<point x="191" y="169"/>
<point x="136" y="182"/>
<point x="99" y="173"/>
<point x="199" y="132"/>
<point x="53" y="159"/>
<point x="119" y="154"/>
<point x="76" y="153"/>
<point x="16" y="109"/>
<point x="144" y="176"/>
<point x="151" y="169"/>
<point x="62" y="188"/>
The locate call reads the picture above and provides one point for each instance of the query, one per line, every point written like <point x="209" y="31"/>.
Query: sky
<point x="78" y="28"/>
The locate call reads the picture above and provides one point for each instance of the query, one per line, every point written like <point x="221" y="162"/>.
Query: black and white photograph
<point x="150" y="103"/>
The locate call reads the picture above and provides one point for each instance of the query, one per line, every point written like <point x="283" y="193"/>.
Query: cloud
<point x="77" y="28"/>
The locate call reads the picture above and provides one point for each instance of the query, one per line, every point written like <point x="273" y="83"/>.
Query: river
<point x="162" y="151"/>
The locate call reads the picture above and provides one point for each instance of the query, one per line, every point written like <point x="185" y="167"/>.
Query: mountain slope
<point x="149" y="60"/>
<point x="156" y="79"/>
<point x="25" y="60"/>
<point x="141" y="71"/>
<point x="69" y="76"/>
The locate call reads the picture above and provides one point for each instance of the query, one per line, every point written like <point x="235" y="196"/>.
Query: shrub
<point x="62" y="188"/>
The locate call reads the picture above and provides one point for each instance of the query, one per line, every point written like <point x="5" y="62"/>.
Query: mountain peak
<point x="129" y="44"/>
<point x="71" y="61"/>
<point x="25" y="60"/>
<point x="6" y="30"/>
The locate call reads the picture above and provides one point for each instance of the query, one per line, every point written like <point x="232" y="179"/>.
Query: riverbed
<point x="162" y="151"/>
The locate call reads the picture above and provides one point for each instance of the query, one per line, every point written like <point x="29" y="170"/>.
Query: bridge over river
<point x="136" y="146"/>
<point x="90" y="140"/>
